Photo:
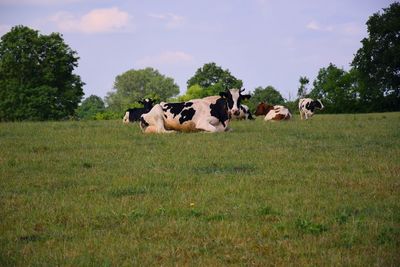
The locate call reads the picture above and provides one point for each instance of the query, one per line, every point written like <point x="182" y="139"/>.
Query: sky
<point x="261" y="42"/>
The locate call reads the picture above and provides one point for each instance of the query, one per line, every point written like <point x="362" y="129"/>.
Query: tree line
<point x="37" y="80"/>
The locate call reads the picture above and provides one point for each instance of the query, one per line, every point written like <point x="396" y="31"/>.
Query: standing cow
<point x="133" y="114"/>
<point x="308" y="106"/>
<point x="273" y="113"/>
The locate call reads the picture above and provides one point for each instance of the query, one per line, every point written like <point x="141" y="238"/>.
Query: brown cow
<point x="273" y="113"/>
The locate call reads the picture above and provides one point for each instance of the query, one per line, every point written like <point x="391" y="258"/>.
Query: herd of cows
<point x="210" y="114"/>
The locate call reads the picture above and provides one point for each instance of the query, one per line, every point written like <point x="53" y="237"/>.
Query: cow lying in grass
<point x="191" y="116"/>
<point x="210" y="114"/>
<point x="273" y="113"/>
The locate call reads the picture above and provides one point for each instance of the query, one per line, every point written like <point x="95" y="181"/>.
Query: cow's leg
<point x="155" y="121"/>
<point x="301" y="115"/>
<point x="206" y="126"/>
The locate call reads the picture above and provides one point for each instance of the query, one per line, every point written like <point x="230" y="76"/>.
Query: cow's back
<point x="278" y="113"/>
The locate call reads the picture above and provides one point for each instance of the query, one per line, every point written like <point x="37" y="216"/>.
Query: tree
<point x="36" y="79"/>
<point x="268" y="94"/>
<point x="378" y="61"/>
<point x="90" y="107"/>
<point x="193" y="92"/>
<point x="337" y="89"/>
<point x="134" y="85"/>
<point x="213" y="79"/>
<point x="302" y="91"/>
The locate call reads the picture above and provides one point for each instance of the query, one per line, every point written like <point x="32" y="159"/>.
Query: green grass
<point x="98" y="193"/>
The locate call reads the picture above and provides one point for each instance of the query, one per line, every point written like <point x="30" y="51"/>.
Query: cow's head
<point x="315" y="104"/>
<point x="147" y="103"/>
<point x="318" y="104"/>
<point x="263" y="109"/>
<point x="234" y="98"/>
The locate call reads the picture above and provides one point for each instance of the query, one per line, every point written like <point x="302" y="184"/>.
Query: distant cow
<point x="307" y="107"/>
<point x="194" y="115"/>
<point x="244" y="114"/>
<point x="133" y="114"/>
<point x="234" y="98"/>
<point x="273" y="113"/>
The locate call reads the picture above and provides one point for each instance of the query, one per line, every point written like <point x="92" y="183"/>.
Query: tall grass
<point x="318" y="192"/>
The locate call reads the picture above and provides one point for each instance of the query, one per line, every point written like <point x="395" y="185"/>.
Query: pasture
<point x="98" y="193"/>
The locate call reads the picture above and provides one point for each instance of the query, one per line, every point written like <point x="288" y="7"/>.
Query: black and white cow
<point x="191" y="116"/>
<point x="234" y="98"/>
<point x="211" y="114"/>
<point x="133" y="114"/>
<point x="244" y="114"/>
<point x="308" y="106"/>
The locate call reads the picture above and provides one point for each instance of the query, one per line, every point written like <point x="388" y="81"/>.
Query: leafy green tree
<point x="302" y="90"/>
<point x="378" y="61"/>
<point x="135" y="85"/>
<point x="193" y="92"/>
<point x="268" y="94"/>
<point x="212" y="79"/>
<point x="337" y="89"/>
<point x="36" y="76"/>
<point x="90" y="107"/>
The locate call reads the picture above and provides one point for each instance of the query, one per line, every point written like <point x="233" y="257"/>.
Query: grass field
<point x="324" y="192"/>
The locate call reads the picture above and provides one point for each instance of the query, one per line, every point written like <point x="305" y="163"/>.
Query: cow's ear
<point x="141" y="102"/>
<point x="246" y="97"/>
<point x="223" y="94"/>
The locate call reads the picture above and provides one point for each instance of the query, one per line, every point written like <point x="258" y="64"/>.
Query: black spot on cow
<point x="176" y="108"/>
<point x="143" y="123"/>
<point x="228" y="96"/>
<point x="310" y="106"/>
<point x="220" y="110"/>
<point x="187" y="115"/>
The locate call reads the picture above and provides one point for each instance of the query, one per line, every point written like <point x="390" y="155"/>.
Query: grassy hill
<point x="319" y="192"/>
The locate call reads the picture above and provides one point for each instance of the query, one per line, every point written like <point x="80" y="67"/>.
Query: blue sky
<point x="261" y="42"/>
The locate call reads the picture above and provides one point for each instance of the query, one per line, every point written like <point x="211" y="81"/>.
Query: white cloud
<point x="172" y="21"/>
<point x="315" y="26"/>
<point x="166" y="58"/>
<point x="96" y="21"/>
<point x="351" y="29"/>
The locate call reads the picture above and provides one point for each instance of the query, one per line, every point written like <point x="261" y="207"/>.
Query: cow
<point x="244" y="114"/>
<point x="308" y="106"/>
<point x="191" y="116"/>
<point x="273" y="113"/>
<point x="133" y="114"/>
<point x="234" y="98"/>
